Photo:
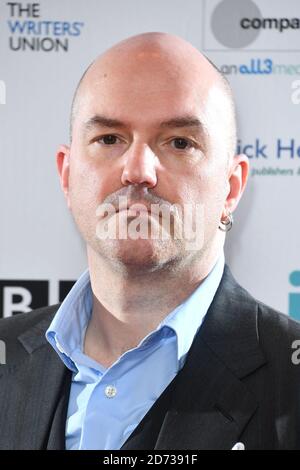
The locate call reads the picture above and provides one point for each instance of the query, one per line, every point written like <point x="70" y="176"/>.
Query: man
<point x="156" y="346"/>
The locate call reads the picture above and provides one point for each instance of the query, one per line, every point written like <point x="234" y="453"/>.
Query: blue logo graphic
<point x="294" y="298"/>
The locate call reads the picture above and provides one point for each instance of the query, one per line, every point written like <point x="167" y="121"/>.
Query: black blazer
<point x="239" y="383"/>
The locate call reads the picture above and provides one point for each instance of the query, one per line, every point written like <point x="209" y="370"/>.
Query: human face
<point x="154" y="133"/>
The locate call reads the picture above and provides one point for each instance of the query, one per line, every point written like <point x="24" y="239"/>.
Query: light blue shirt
<point x="106" y="405"/>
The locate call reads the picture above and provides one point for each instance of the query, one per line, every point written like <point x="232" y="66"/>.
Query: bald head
<point x="157" y="52"/>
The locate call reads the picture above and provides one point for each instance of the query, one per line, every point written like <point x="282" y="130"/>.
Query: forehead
<point x="146" y="93"/>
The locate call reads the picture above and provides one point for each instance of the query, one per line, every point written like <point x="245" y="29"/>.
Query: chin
<point x="138" y="251"/>
<point x="139" y="255"/>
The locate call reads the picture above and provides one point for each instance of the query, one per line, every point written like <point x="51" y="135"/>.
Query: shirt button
<point x="110" y="391"/>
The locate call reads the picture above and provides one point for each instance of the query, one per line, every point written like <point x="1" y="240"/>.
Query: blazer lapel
<point x="34" y="384"/>
<point x="57" y="434"/>
<point x="207" y="405"/>
<point x="210" y="408"/>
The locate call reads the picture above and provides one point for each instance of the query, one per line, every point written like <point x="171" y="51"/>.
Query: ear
<point x="237" y="179"/>
<point x="63" y="167"/>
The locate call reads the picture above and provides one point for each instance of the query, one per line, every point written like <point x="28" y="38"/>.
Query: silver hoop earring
<point x="226" y="225"/>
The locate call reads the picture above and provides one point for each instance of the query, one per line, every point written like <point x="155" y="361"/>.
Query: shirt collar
<point x="67" y="329"/>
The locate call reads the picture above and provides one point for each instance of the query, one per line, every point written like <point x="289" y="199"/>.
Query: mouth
<point x="134" y="208"/>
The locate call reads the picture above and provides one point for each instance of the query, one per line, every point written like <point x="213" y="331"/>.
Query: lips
<point x="134" y="207"/>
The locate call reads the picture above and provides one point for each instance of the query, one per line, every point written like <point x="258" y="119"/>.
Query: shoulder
<point x="40" y="319"/>
<point x="268" y="321"/>
<point x="23" y="333"/>
<point x="276" y="331"/>
<point x="248" y="322"/>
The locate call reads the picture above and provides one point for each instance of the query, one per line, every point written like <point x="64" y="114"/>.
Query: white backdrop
<point x="45" y="47"/>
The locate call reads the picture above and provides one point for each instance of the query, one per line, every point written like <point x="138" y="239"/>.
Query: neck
<point x="127" y="306"/>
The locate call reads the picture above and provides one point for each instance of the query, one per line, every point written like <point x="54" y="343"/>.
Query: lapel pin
<point x="239" y="446"/>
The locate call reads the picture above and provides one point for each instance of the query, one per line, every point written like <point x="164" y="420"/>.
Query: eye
<point x="182" y="144"/>
<point x="109" y="139"/>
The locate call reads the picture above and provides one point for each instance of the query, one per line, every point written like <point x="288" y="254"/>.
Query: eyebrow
<point x="183" y="121"/>
<point x="176" y="122"/>
<point x="103" y="121"/>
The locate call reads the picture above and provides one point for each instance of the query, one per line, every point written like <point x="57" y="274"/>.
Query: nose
<point x="140" y="166"/>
